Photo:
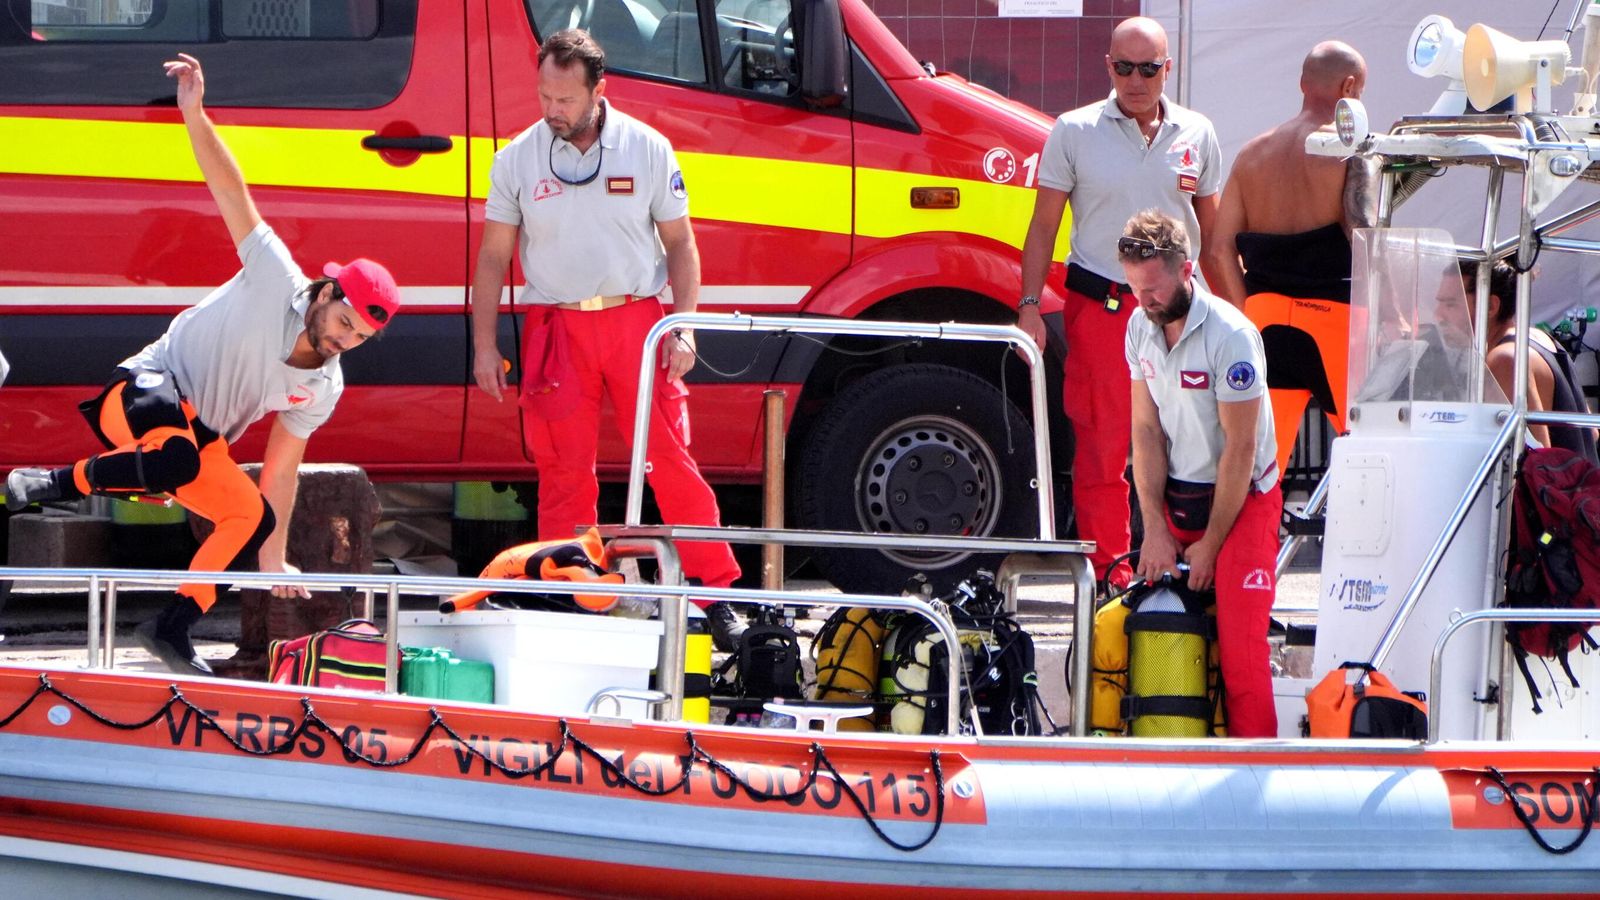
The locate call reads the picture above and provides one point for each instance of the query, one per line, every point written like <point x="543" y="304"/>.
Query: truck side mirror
<point x="821" y="48"/>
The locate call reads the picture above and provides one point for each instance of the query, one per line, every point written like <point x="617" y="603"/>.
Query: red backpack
<point x="1554" y="556"/>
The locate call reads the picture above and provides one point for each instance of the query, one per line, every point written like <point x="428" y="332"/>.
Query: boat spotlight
<point x="1496" y="66"/>
<point x="1350" y="122"/>
<point x="1435" y="51"/>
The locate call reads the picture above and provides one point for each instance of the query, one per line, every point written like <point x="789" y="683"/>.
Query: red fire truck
<point x="830" y="174"/>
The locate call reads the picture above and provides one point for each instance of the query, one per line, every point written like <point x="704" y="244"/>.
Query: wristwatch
<point x="1030" y="300"/>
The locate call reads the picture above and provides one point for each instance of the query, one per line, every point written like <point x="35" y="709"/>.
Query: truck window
<point x="646" y="37"/>
<point x="323" y="54"/>
<point x="757" y="46"/>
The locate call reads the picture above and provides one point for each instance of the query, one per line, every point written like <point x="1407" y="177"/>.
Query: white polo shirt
<point x="1218" y="359"/>
<point x="596" y="238"/>
<point x="229" y="352"/>
<point x="1097" y="154"/>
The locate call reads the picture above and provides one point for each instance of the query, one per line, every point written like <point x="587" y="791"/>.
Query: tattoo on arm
<point x="1361" y="181"/>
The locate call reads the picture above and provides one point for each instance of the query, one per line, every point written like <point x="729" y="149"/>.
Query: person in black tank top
<point x="1552" y="383"/>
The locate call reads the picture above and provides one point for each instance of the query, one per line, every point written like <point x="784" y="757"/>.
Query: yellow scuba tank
<point x="697" y="667"/>
<point x="1169" y="652"/>
<point x="848" y="648"/>
<point x="1108" y="675"/>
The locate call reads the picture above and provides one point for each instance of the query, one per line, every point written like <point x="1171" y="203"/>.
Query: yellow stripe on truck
<point x="158" y="151"/>
<point x="998" y="211"/>
<point x="774" y="192"/>
<point x="806" y="196"/>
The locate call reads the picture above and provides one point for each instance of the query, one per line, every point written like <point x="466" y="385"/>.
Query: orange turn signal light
<point x="935" y="198"/>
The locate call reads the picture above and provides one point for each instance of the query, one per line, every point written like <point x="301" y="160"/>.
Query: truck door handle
<point x="424" y="143"/>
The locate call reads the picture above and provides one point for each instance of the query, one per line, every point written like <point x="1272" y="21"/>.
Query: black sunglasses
<point x="1139" y="248"/>
<point x="551" y="159"/>
<point x="1147" y="69"/>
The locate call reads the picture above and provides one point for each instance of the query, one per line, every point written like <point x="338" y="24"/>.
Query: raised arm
<point x="217" y="164"/>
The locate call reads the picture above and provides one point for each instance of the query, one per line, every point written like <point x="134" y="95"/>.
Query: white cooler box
<point x="545" y="661"/>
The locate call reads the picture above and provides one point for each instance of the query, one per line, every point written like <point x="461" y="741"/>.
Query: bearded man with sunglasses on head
<point x="1203" y="454"/>
<point x="603" y="216"/>
<point x="1131" y="151"/>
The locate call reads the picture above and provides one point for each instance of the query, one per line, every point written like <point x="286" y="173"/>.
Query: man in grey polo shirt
<point x="1134" y="150"/>
<point x="1203" y="454"/>
<point x="269" y="341"/>
<point x="603" y="216"/>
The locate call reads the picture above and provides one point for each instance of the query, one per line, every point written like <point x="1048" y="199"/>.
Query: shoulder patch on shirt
<point x="677" y="185"/>
<point x="1241" y="375"/>
<point x="1195" y="381"/>
<point x="144" y="381"/>
<point x="619" y="185"/>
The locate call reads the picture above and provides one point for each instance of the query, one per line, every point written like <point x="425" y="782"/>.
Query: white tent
<point x="1245" y="64"/>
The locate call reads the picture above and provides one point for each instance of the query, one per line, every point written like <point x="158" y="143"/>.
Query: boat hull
<point x="345" y="792"/>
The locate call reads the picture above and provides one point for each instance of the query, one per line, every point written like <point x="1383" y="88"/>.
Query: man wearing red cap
<point x="268" y="341"/>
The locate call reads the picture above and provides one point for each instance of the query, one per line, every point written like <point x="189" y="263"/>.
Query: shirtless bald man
<point x="1282" y="243"/>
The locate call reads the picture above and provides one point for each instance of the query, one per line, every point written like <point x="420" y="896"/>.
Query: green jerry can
<point x="437" y="673"/>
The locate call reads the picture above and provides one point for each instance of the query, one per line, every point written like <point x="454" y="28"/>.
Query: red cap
<point x="368" y="288"/>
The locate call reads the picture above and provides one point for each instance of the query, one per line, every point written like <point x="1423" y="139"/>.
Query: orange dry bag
<point x="1370" y="706"/>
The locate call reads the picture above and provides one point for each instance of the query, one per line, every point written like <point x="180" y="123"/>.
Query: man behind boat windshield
<point x="268" y="341"/>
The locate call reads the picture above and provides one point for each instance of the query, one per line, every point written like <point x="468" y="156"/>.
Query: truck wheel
<point x="916" y="449"/>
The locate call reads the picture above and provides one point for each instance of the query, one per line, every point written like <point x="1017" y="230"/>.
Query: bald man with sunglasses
<point x="1134" y="150"/>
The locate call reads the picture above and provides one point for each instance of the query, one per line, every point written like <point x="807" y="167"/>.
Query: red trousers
<point x="1097" y="397"/>
<point x="605" y="348"/>
<point x="1246" y="587"/>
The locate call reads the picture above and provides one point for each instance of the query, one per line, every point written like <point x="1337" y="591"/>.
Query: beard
<point x="1176" y="308"/>
<point x="317" y="330"/>
<point x="567" y="132"/>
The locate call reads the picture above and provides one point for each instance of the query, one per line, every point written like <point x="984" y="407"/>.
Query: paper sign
<point x="1041" y="8"/>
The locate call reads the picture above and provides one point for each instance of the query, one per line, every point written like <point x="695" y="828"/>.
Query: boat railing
<point x="957" y="331"/>
<point x="103" y="584"/>
<point x="1436" y="665"/>
<point x="1025" y="556"/>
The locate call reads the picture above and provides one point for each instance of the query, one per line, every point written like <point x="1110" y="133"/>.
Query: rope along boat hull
<point x="258" y="788"/>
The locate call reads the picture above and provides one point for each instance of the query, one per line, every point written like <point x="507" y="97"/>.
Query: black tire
<point x="918" y="448"/>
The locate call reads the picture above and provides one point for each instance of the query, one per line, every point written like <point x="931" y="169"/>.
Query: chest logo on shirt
<point x="1147" y="368"/>
<point x="1188" y="183"/>
<point x="1195" y="381"/>
<point x="299" y="395"/>
<point x="545" y="189"/>
<point x="1241" y="375"/>
<point x="619" y="185"/>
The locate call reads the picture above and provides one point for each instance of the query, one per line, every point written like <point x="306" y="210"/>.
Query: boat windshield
<point x="1411" y="325"/>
